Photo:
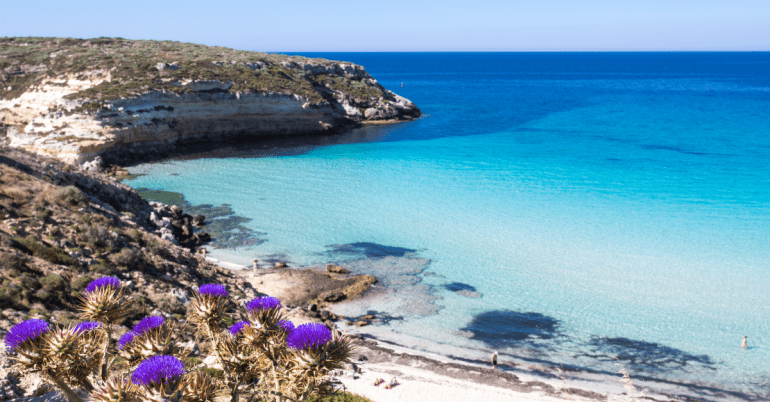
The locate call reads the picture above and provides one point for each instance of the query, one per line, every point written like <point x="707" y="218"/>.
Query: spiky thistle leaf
<point x="115" y="390"/>
<point x="147" y="340"/>
<point x="104" y="304"/>
<point x="199" y="387"/>
<point x="208" y="306"/>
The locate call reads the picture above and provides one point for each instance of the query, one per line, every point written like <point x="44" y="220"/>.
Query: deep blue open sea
<point x="557" y="207"/>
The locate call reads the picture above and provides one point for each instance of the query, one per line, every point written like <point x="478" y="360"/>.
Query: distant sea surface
<point x="557" y="207"/>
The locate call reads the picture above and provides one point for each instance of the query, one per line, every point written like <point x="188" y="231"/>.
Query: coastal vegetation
<point x="138" y="66"/>
<point x="117" y="98"/>
<point x="263" y="356"/>
<point x="63" y="228"/>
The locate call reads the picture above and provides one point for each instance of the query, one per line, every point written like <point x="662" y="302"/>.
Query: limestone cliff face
<point x="45" y="120"/>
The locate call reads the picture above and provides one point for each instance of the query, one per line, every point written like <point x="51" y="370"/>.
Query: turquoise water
<point x="559" y="207"/>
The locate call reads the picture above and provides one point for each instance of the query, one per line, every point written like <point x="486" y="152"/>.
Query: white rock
<point x="212" y="362"/>
<point x="369" y="113"/>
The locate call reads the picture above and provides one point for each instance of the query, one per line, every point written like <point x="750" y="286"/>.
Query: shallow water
<point x="568" y="207"/>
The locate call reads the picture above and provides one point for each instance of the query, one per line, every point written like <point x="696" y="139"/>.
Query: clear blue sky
<point x="400" y="25"/>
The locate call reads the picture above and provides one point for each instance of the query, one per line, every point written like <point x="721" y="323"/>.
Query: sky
<point x="407" y="25"/>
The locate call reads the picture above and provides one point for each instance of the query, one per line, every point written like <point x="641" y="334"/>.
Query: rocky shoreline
<point x="61" y="227"/>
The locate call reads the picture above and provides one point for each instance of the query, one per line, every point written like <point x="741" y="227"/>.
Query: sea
<point x="582" y="210"/>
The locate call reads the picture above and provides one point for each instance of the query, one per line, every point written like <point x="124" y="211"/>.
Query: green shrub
<point x="215" y="373"/>
<point x="44" y="215"/>
<point x="98" y="237"/>
<point x="13" y="262"/>
<point x="28" y="282"/>
<point x="53" y="255"/>
<point x="339" y="397"/>
<point x="102" y="269"/>
<point x="70" y="195"/>
<point x="9" y="292"/>
<point x="80" y="283"/>
<point x="54" y="282"/>
<point x="127" y="258"/>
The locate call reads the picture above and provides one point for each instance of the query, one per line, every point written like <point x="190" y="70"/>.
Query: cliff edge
<point x="76" y="99"/>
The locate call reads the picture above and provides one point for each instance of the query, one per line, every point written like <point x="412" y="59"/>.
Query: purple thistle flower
<point x="127" y="338"/>
<point x="147" y="324"/>
<point x="307" y="336"/>
<point x="263" y="303"/>
<point x="238" y="326"/>
<point x="213" y="290"/>
<point x="103" y="282"/>
<point x="286" y="325"/>
<point x="24" y="331"/>
<point x="86" y="326"/>
<point x="159" y="369"/>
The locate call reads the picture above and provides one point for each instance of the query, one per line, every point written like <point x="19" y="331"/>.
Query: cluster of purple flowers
<point x="142" y="327"/>
<point x="159" y="369"/>
<point x="308" y="336"/>
<point x="147" y="324"/>
<point x="86" y="326"/>
<point x="24" y="331"/>
<point x="286" y="325"/>
<point x="213" y="290"/>
<point x="238" y="326"/>
<point x="263" y="303"/>
<point x="103" y="282"/>
<point x="124" y="340"/>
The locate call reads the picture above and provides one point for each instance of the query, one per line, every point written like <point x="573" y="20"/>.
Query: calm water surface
<point x="563" y="207"/>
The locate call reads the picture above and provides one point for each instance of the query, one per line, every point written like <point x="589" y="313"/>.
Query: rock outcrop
<point x="76" y="112"/>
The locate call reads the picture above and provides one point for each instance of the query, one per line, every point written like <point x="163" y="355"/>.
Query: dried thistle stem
<point x="234" y="392"/>
<point x="73" y="397"/>
<point x="233" y="385"/>
<point x="105" y="366"/>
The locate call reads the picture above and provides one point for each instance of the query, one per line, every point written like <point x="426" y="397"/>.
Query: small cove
<point x="593" y="213"/>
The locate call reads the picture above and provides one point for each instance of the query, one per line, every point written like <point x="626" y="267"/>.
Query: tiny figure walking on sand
<point x="494" y="359"/>
<point x="743" y="344"/>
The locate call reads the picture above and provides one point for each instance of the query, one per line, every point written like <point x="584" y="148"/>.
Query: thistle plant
<point x="263" y="355"/>
<point x="103" y="302"/>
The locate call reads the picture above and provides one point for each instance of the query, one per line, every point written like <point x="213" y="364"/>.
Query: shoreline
<point x="607" y="381"/>
<point x="431" y="370"/>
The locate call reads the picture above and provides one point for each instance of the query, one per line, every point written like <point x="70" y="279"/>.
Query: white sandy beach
<point x="431" y="372"/>
<point x="418" y="385"/>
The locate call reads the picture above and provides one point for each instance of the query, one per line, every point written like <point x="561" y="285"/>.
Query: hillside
<point x="75" y="99"/>
<point x="61" y="227"/>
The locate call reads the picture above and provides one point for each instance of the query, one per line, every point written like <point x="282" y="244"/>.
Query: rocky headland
<point x="76" y="99"/>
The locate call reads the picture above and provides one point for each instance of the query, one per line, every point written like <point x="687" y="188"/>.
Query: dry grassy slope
<point x="61" y="228"/>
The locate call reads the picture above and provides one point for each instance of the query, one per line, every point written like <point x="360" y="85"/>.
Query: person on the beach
<point x="743" y="344"/>
<point x="393" y="383"/>
<point x="494" y="359"/>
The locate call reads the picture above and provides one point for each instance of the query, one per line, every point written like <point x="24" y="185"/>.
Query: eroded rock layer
<point x="76" y="113"/>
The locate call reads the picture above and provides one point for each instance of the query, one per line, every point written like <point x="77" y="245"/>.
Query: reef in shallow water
<point x="225" y="227"/>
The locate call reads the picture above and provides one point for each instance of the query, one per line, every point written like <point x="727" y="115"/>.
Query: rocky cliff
<point x="77" y="99"/>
